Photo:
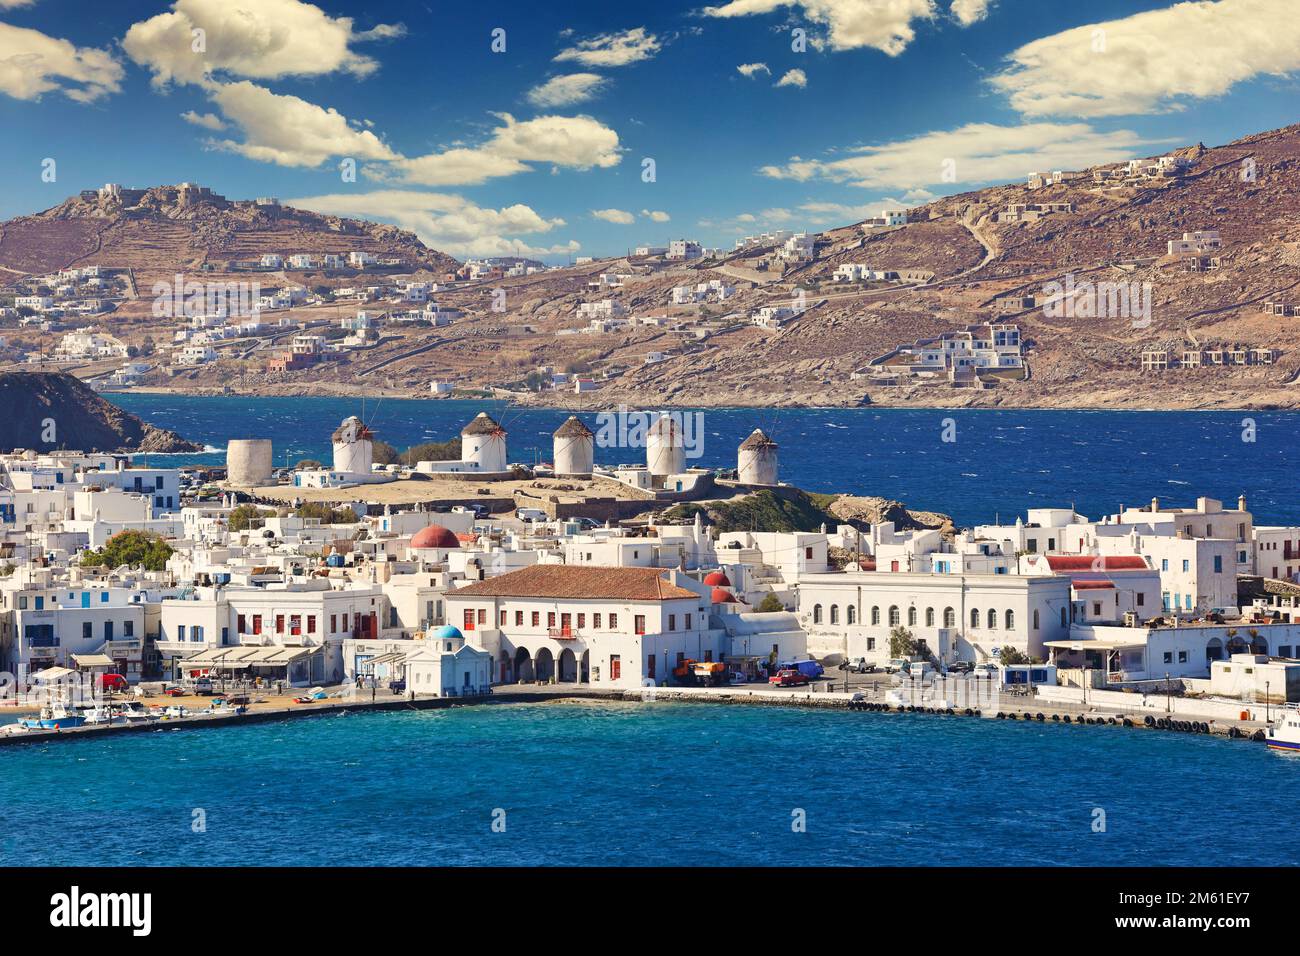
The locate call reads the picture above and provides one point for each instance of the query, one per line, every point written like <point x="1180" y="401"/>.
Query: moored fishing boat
<point x="53" y="717"/>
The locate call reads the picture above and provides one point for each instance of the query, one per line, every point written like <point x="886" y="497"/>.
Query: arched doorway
<point x="568" y="667"/>
<point x="1238" y="645"/>
<point x="523" y="666"/>
<point x="1257" y="643"/>
<point x="545" y="665"/>
<point x="584" y="668"/>
<point x="1213" y="650"/>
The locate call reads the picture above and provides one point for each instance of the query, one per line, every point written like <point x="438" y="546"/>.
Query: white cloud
<point x="750" y="69"/>
<point x="572" y="142"/>
<point x="32" y="64"/>
<point x="567" y="90"/>
<point x="258" y="39"/>
<point x="975" y="153"/>
<point x="967" y="12"/>
<point x="288" y="130"/>
<point x="446" y="222"/>
<point x="655" y="215"/>
<point x="793" y="78"/>
<point x="613" y="49"/>
<point x="825" y="213"/>
<point x="15" y="4"/>
<point x="619" y="217"/>
<point x="885" y="25"/>
<point x="206" y="120"/>
<point x="1153" y="61"/>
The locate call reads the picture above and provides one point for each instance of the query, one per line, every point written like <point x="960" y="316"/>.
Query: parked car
<point x="202" y="685"/>
<point x="112" y="682"/>
<point x="917" y="669"/>
<point x="989" y="671"/>
<point x="735" y="677"/>
<point x="530" y="514"/>
<point x="788" y="678"/>
<point x="859" y="665"/>
<point x="960" y="667"/>
<point x="810" y="669"/>
<point x="896" y="665"/>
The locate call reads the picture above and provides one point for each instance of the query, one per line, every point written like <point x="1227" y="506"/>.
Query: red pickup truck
<point x="788" y="678"/>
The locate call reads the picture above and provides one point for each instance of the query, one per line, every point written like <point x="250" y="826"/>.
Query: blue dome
<point x="447" y="632"/>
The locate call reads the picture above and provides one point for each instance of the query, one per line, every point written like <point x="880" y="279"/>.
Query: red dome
<point x="721" y="596"/>
<point x="435" y="536"/>
<point x="716" y="579"/>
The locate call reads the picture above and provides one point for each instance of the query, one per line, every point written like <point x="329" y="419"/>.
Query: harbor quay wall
<point x="1009" y="706"/>
<point x="1158" y="704"/>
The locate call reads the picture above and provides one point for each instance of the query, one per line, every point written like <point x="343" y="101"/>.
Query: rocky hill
<point x="44" y="411"/>
<point x="966" y="259"/>
<point x="162" y="229"/>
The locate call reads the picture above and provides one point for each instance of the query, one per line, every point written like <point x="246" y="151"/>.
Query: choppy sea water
<point x="999" y="462"/>
<point x="640" y="784"/>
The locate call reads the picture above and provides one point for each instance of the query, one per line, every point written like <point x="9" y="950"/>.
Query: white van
<point x="530" y="514"/>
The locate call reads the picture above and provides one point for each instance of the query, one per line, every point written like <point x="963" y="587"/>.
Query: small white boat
<point x="99" y="716"/>
<point x="1284" y="733"/>
<point x="137" y="713"/>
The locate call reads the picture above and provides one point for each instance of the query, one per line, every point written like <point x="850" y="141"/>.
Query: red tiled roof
<point x="1091" y="585"/>
<point x="569" y="581"/>
<point x="1065" y="563"/>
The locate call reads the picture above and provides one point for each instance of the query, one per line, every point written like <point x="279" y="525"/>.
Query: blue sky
<point x="538" y="150"/>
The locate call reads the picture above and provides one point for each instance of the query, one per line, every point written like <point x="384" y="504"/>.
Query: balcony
<point x="563" y="633"/>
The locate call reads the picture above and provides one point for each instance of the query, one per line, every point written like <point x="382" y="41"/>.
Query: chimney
<point x="1241" y="503"/>
<point x="1155" y="504"/>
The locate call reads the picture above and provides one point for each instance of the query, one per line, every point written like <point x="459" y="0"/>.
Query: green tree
<point x="1010" y="657"/>
<point x="326" y="514"/>
<point x="433" y="451"/>
<point x="144" y="549"/>
<point x="901" y="642"/>
<point x="384" y="453"/>
<point x="769" y="604"/>
<point x="245" y="517"/>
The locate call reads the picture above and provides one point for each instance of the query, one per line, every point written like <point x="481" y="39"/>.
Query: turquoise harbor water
<point x="641" y="784"/>
<point x="1002" y="461"/>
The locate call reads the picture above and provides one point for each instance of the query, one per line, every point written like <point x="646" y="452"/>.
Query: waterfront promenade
<point x="873" y="695"/>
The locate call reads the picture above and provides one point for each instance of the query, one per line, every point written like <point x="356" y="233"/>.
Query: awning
<point x="94" y="660"/>
<point x="232" y="658"/>
<point x="392" y="658"/>
<point x="54" y="673"/>
<point x="1105" y="644"/>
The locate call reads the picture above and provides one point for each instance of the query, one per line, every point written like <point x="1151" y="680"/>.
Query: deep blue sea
<point x="1000" y="463"/>
<point x="640" y="784"/>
